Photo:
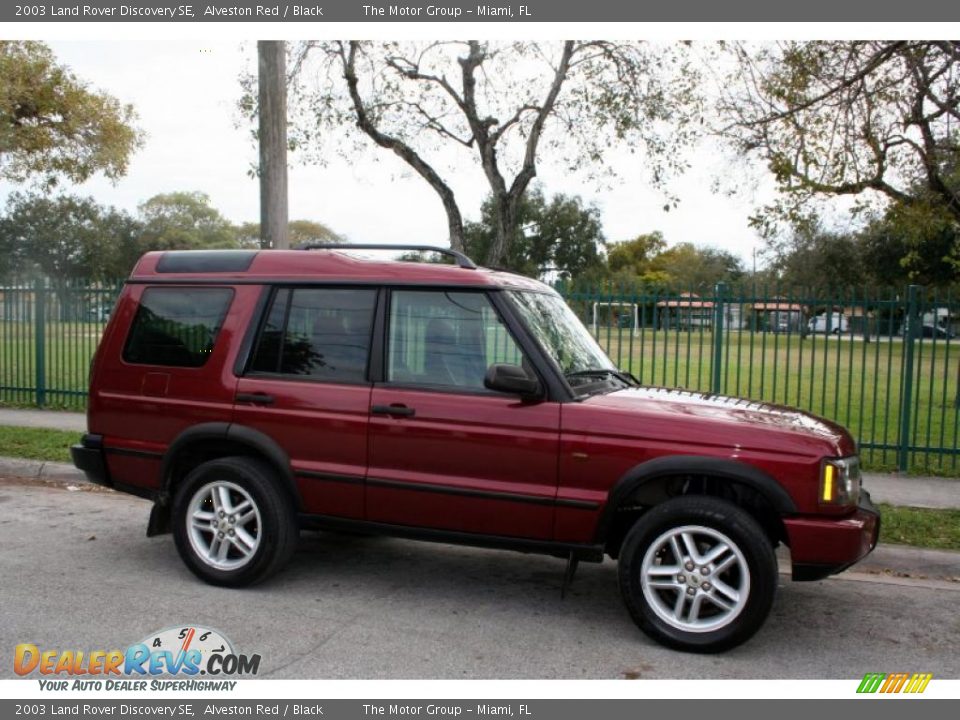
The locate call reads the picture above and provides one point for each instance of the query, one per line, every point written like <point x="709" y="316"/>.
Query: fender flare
<point x="723" y="468"/>
<point x="254" y="439"/>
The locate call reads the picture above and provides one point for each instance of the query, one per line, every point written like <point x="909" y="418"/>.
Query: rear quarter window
<point x="176" y="327"/>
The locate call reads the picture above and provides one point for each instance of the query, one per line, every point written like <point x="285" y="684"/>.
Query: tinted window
<point x="176" y="326"/>
<point x="446" y="339"/>
<point x="316" y="332"/>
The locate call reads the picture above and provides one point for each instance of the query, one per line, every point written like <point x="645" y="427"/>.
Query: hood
<point x="720" y="421"/>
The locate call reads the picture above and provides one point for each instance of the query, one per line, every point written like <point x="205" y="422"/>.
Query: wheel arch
<point x="208" y="441"/>
<point x="656" y="480"/>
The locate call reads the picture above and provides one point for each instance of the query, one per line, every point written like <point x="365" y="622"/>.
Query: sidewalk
<point x="50" y="419"/>
<point x="912" y="491"/>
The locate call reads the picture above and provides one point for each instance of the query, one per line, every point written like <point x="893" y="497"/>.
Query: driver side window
<point x="446" y="339"/>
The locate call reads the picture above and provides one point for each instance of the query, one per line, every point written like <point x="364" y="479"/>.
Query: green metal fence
<point x="48" y="334"/>
<point x="885" y="364"/>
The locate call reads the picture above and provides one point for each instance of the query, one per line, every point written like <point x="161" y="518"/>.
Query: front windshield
<point x="561" y="333"/>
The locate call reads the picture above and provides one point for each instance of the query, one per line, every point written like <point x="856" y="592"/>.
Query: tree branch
<point x="404" y="151"/>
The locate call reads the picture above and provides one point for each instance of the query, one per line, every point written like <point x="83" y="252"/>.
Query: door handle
<point x="393" y="410"/>
<point x="255" y="398"/>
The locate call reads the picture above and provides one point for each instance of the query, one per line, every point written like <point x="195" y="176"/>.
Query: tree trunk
<point x="506" y="226"/>
<point x="272" y="56"/>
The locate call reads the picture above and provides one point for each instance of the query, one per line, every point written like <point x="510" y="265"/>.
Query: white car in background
<point x="835" y="323"/>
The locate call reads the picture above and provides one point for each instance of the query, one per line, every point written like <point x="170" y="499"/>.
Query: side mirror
<point x="512" y="379"/>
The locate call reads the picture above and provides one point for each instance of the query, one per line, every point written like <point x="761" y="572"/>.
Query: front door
<point x="444" y="451"/>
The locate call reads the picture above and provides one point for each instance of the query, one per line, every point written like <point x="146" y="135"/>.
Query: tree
<point x="911" y="244"/>
<point x="184" y="221"/>
<point x="646" y="259"/>
<point x="560" y="236"/>
<point x="630" y="261"/>
<point x="688" y="265"/>
<point x="875" y="120"/>
<point x="53" y="126"/>
<point x="272" y="110"/>
<point x="503" y="103"/>
<point x="298" y="231"/>
<point x="67" y="238"/>
<point x="815" y="258"/>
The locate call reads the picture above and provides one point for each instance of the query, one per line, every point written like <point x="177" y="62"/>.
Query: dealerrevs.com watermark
<point x="171" y="659"/>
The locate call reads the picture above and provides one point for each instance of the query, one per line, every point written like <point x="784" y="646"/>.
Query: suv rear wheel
<point x="231" y="524"/>
<point x="698" y="573"/>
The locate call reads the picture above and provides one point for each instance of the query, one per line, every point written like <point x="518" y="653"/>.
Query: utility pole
<point x="272" y="62"/>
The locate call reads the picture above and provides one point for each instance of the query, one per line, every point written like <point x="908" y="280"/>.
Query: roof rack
<point x="461" y="259"/>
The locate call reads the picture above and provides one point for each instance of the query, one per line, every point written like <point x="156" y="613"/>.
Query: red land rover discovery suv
<point x="249" y="394"/>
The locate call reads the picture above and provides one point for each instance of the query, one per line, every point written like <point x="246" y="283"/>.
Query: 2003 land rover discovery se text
<point x="250" y="394"/>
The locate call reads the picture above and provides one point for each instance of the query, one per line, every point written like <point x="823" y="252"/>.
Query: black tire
<point x="277" y="529"/>
<point x="717" y="515"/>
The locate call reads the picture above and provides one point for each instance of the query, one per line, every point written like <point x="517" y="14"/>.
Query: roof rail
<point x="461" y="259"/>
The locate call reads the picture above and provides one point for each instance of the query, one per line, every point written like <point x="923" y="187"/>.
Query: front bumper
<point x="826" y="546"/>
<point x="88" y="456"/>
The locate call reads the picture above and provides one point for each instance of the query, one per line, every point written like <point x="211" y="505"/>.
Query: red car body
<point x="485" y="468"/>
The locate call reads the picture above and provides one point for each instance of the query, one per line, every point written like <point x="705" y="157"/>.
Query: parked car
<point x="251" y="394"/>
<point x="834" y="323"/>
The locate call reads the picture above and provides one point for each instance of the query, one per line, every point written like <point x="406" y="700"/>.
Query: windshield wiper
<point x="624" y="377"/>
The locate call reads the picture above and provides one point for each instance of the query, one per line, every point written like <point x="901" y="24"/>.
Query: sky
<point x="185" y="93"/>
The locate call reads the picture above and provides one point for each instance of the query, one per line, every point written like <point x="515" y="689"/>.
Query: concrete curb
<point x="41" y="470"/>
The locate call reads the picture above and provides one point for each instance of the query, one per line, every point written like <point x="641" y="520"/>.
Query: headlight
<point x="840" y="481"/>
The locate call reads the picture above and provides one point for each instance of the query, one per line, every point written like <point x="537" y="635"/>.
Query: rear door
<point x="445" y="452"/>
<point x="306" y="387"/>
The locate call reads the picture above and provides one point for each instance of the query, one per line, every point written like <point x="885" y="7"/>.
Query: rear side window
<point x="322" y="333"/>
<point x="176" y="326"/>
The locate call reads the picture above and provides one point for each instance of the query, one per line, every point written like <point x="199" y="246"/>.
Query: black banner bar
<point x="440" y="709"/>
<point x="327" y="11"/>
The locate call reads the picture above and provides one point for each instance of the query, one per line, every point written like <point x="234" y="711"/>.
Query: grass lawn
<point x="917" y="526"/>
<point x="36" y="443"/>
<point x="856" y="383"/>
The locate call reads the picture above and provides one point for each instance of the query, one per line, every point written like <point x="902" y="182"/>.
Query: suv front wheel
<point x="231" y="523"/>
<point x="698" y="574"/>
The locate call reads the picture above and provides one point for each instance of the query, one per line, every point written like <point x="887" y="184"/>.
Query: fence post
<point x="39" y="340"/>
<point x="909" y="338"/>
<point x="718" y="314"/>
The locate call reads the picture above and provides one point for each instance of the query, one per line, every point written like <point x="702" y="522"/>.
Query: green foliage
<point x="561" y="236"/>
<point x="300" y="231"/>
<point x="812" y="257"/>
<point x="631" y="259"/>
<point x="184" y="221"/>
<point x="646" y="260"/>
<point x="53" y="126"/>
<point x="876" y="120"/>
<point x="686" y="264"/>
<point x="71" y="238"/>
<point x="913" y="243"/>
<point x="67" y="238"/>
<point x="920" y="527"/>
<point x="908" y="243"/>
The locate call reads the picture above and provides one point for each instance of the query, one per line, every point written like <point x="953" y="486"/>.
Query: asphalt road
<point x="77" y="572"/>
